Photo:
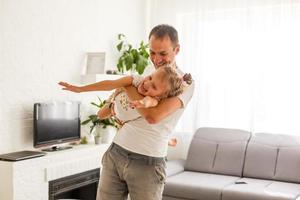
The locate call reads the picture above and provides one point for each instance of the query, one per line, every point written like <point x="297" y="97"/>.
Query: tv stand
<point x="29" y="179"/>
<point x="57" y="148"/>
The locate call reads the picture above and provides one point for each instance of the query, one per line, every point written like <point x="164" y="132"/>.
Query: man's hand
<point x="72" y="88"/>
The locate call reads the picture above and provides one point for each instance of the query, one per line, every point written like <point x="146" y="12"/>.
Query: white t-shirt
<point x="152" y="139"/>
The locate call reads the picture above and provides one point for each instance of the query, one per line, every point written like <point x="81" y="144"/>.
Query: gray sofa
<point x="230" y="164"/>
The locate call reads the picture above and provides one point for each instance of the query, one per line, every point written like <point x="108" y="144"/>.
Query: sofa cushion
<point x="288" y="164"/>
<point x="261" y="190"/>
<point x="196" y="185"/>
<point x="217" y="150"/>
<point x="175" y="167"/>
<point x="260" y="161"/>
<point x="173" y="198"/>
<point x="271" y="156"/>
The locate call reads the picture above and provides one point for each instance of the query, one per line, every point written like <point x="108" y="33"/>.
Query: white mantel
<point x="28" y="179"/>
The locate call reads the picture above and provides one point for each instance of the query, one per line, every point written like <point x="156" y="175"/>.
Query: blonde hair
<point x="175" y="81"/>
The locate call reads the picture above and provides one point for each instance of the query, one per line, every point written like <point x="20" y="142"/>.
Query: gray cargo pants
<point x="124" y="172"/>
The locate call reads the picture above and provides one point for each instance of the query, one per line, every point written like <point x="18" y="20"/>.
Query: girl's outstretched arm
<point x="106" y="85"/>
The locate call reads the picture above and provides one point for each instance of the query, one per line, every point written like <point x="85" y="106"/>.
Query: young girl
<point x="163" y="83"/>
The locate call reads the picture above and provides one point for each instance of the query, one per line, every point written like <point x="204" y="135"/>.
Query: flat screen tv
<point x="56" y="123"/>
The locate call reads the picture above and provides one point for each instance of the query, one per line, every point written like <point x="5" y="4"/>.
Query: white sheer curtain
<point x="245" y="59"/>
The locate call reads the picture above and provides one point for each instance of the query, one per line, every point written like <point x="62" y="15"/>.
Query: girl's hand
<point x="146" y="102"/>
<point x="137" y="104"/>
<point x="72" y="88"/>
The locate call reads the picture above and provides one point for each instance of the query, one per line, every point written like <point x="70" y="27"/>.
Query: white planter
<point x="106" y="134"/>
<point x="90" y="139"/>
<point x="97" y="140"/>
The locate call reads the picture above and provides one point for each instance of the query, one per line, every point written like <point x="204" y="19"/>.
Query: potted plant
<point x="132" y="59"/>
<point x="99" y="127"/>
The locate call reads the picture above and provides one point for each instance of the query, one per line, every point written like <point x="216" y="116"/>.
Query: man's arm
<point x="155" y="114"/>
<point x="106" y="85"/>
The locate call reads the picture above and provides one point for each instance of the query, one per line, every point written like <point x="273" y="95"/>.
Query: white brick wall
<point x="43" y="42"/>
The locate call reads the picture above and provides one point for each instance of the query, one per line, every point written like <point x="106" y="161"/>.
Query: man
<point x="135" y="162"/>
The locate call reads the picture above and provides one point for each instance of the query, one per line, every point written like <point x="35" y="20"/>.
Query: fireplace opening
<point x="81" y="186"/>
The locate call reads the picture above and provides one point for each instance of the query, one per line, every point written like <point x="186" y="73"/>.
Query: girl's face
<point x="153" y="85"/>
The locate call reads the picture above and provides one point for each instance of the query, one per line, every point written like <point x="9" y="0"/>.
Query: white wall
<point x="43" y="42"/>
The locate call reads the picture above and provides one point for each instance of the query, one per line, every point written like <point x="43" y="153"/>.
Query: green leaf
<point x="120" y="64"/>
<point x="99" y="100"/>
<point x="94" y="104"/>
<point x="128" y="61"/>
<point x="92" y="128"/>
<point x="134" y="54"/>
<point x="120" y="67"/>
<point x="119" y="46"/>
<point x="93" y="117"/>
<point x="120" y="35"/>
<point x="129" y="47"/>
<point x="85" y="122"/>
<point x="141" y="64"/>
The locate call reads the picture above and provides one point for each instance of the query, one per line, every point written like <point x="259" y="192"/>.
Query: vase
<point x="108" y="134"/>
<point x="97" y="139"/>
<point x="90" y="139"/>
<point x="97" y="134"/>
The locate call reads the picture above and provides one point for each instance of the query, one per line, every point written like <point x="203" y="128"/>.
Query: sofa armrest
<point x="175" y="167"/>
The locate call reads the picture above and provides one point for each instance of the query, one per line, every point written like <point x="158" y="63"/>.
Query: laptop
<point x="21" y="155"/>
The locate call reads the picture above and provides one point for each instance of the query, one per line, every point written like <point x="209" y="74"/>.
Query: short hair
<point x="162" y="30"/>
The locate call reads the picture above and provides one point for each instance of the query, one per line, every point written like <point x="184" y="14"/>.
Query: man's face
<point x="162" y="51"/>
<point x="154" y="85"/>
